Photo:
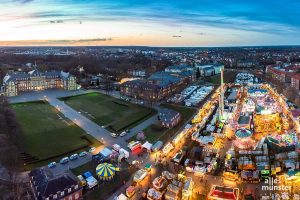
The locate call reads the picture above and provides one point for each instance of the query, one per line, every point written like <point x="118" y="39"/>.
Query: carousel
<point x="106" y="171"/>
<point x="243" y="139"/>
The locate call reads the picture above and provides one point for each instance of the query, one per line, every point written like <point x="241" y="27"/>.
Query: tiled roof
<point x="46" y="184"/>
<point x="167" y="114"/>
<point x="34" y="73"/>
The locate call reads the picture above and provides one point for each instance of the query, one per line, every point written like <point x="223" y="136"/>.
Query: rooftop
<point x="46" y="183"/>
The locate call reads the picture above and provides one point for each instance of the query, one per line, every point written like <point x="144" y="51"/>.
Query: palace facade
<point x="16" y="82"/>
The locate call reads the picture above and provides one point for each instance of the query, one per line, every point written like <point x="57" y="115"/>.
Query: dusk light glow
<point x="161" y="23"/>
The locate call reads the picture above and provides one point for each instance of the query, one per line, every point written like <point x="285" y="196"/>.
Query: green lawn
<point x="45" y="135"/>
<point x="116" y="115"/>
<point x="156" y="132"/>
<point x="229" y="76"/>
<point x="105" y="189"/>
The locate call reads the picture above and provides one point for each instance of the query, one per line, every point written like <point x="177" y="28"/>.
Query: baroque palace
<point x="16" y="82"/>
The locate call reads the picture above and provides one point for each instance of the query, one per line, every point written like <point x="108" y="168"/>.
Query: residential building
<point x="277" y="73"/>
<point x="47" y="186"/>
<point x="295" y="81"/>
<point x="246" y="63"/>
<point x="283" y="74"/>
<point x="137" y="72"/>
<point x="169" y="118"/>
<point x="16" y="82"/>
<point x="179" y="68"/>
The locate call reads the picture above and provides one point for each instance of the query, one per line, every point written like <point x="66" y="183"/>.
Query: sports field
<point x="116" y="115"/>
<point x="47" y="133"/>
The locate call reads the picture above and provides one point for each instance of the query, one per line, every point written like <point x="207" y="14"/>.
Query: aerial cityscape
<point x="140" y="100"/>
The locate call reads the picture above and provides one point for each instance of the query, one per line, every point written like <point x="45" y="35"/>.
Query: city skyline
<point x="122" y="23"/>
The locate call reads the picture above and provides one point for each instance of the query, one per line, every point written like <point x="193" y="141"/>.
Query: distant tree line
<point x="116" y="66"/>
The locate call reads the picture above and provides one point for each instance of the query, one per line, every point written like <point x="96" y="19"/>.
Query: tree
<point x="198" y="74"/>
<point x="10" y="137"/>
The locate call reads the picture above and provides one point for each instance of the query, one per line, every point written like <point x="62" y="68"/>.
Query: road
<point x="40" y="95"/>
<point x="86" y="124"/>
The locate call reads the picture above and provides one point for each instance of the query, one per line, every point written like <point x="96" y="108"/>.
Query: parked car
<point x="64" y="160"/>
<point x="99" y="158"/>
<point x="82" y="154"/>
<point x="123" y="133"/>
<point x="92" y="149"/>
<point x="52" y="165"/>
<point x="114" y="135"/>
<point x="74" y="156"/>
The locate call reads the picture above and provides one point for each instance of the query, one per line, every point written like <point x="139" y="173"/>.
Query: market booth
<point x="130" y="191"/>
<point x="292" y="178"/>
<point x="225" y="193"/>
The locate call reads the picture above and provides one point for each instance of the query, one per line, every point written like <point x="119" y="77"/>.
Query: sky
<point x="150" y="23"/>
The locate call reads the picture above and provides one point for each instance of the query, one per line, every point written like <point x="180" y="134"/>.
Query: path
<point x="86" y="124"/>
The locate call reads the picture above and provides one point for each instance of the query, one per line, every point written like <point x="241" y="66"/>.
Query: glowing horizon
<point x="146" y="23"/>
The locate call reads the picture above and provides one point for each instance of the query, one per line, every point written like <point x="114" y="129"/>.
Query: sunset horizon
<point x="130" y="23"/>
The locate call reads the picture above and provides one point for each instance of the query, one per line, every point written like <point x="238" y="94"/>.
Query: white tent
<point x="121" y="197"/>
<point x="147" y="145"/>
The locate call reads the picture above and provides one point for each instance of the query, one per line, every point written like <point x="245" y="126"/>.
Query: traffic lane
<point x="61" y="168"/>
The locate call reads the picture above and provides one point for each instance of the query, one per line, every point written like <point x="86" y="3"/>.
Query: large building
<point x="179" y="68"/>
<point x="295" y="81"/>
<point x="159" y="85"/>
<point x="210" y="69"/>
<point x="47" y="186"/>
<point x="151" y="89"/>
<point x="283" y="74"/>
<point x="16" y="82"/>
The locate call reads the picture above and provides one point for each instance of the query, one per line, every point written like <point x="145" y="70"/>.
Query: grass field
<point x="46" y="133"/>
<point x="116" y="115"/>
<point x="228" y="77"/>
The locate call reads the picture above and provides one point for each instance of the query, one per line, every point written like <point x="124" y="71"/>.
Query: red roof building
<point x="276" y="73"/>
<point x="295" y="81"/>
<point x="282" y="74"/>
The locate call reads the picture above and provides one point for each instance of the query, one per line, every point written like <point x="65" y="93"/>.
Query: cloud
<point x="83" y="42"/>
<point x="23" y="1"/>
<point x="56" y="21"/>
